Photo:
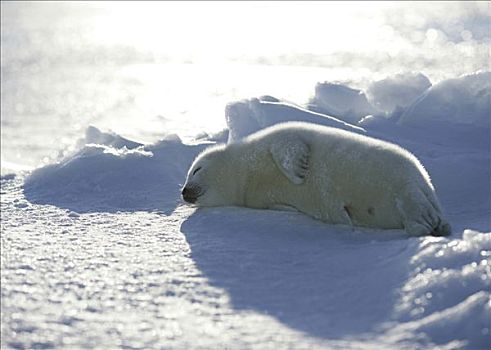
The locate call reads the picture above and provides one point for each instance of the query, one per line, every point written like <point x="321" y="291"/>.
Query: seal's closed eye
<point x="196" y="170"/>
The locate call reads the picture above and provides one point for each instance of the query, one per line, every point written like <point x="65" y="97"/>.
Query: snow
<point x="464" y="100"/>
<point x="341" y="101"/>
<point x="98" y="250"/>
<point x="411" y="99"/>
<point x="397" y="91"/>
<point x="114" y="174"/>
<point x="248" y="116"/>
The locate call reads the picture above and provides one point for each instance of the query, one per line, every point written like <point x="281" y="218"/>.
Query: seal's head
<point x="207" y="181"/>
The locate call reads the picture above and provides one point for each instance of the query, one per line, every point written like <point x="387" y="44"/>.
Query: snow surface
<point x="248" y="116"/>
<point x="398" y="91"/>
<point x="464" y="100"/>
<point x="341" y="101"/>
<point x="98" y="250"/>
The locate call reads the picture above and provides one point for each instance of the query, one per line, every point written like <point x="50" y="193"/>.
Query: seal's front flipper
<point x="291" y="155"/>
<point x="346" y="215"/>
<point x="283" y="207"/>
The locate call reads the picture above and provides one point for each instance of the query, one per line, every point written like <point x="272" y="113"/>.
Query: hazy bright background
<point x="145" y="69"/>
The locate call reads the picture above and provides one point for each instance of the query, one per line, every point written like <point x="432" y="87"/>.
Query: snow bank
<point x="465" y="100"/>
<point x="110" y="173"/>
<point x="447" y="296"/>
<point x="397" y="91"/>
<point x="342" y="102"/>
<point x="110" y="139"/>
<point x="410" y="99"/>
<point x="460" y="265"/>
<point x="248" y="116"/>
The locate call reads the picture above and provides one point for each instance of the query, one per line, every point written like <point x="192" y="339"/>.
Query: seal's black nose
<point x="188" y="195"/>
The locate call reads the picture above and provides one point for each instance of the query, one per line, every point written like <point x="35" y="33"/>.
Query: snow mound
<point x="248" y="116"/>
<point x="447" y="297"/>
<point x="397" y="92"/>
<point x="342" y="102"/>
<point x="410" y="99"/>
<point x="114" y="174"/>
<point x="95" y="136"/>
<point x="465" y="100"/>
<point x="463" y="326"/>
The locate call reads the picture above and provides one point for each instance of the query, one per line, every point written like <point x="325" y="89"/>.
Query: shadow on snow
<point x="316" y="278"/>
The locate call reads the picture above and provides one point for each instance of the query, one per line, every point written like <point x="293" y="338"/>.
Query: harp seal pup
<point x="330" y="174"/>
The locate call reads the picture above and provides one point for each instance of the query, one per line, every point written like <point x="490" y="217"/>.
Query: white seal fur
<point x="330" y="174"/>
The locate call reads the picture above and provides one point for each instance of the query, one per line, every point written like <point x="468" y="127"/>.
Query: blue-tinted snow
<point x="97" y="249"/>
<point x="397" y="91"/>
<point x="242" y="277"/>
<point x="464" y="100"/>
